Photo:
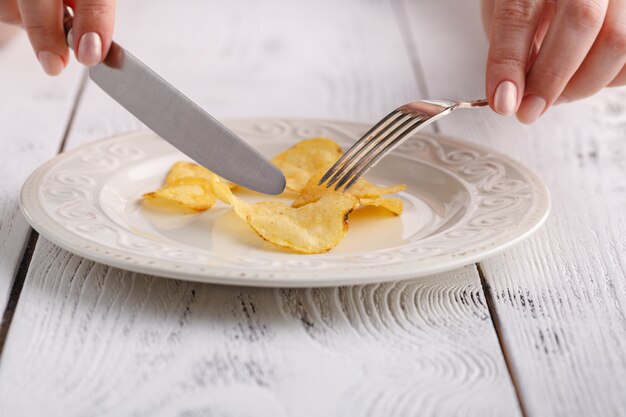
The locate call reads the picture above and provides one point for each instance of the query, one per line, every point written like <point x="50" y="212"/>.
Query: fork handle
<point x="473" y="103"/>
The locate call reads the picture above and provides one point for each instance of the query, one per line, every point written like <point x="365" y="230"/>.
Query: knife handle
<point x="68" y="23"/>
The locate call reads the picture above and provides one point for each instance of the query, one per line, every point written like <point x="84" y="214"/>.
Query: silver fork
<point x="386" y="135"/>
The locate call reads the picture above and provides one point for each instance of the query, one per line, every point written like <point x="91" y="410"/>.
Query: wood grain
<point x="33" y="116"/>
<point x="102" y="341"/>
<point x="560" y="298"/>
<point x="97" y="341"/>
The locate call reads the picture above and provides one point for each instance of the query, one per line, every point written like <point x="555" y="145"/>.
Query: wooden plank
<point x="33" y="117"/>
<point x="560" y="298"/>
<point x="94" y="340"/>
<point x="88" y="339"/>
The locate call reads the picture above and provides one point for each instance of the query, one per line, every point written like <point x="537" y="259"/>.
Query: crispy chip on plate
<point x="187" y="194"/>
<point x="187" y="169"/>
<point x="317" y="220"/>
<point x="184" y="169"/>
<point x="368" y="193"/>
<point x="314" y="228"/>
<point x="187" y="188"/>
<point x="304" y="159"/>
<point x="392" y="204"/>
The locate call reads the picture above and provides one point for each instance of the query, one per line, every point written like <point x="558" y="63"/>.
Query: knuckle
<point x="96" y="10"/>
<point x="550" y="78"/>
<point x="40" y="32"/>
<point x="516" y="11"/>
<point x="613" y="35"/>
<point x="585" y="15"/>
<point x="507" y="59"/>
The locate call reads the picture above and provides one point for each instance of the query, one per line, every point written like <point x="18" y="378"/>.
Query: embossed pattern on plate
<point x="462" y="204"/>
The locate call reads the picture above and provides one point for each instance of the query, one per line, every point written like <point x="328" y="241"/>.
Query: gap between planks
<point x="18" y="282"/>
<point x="497" y="327"/>
<point x="70" y="121"/>
<point x="16" y="288"/>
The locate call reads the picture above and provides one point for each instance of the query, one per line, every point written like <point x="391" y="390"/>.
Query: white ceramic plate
<point x="462" y="204"/>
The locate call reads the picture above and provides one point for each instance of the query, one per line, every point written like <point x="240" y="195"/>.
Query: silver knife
<point x="180" y="121"/>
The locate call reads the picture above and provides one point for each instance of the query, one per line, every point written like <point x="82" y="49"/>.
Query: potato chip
<point x="191" y="170"/>
<point x="368" y="193"/>
<point x="314" y="228"/>
<point x="187" y="170"/>
<point x="224" y="193"/>
<point x="317" y="220"/>
<point x="392" y="204"/>
<point x="302" y="160"/>
<point x="195" y="194"/>
<point x="364" y="189"/>
<point x="187" y="188"/>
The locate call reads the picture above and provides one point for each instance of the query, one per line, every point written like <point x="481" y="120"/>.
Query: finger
<point x="512" y="32"/>
<point x="620" y="79"/>
<point x="43" y="20"/>
<point x="547" y="14"/>
<point x="574" y="28"/>
<point x="606" y="58"/>
<point x="542" y="28"/>
<point x="487" y="14"/>
<point x="9" y="12"/>
<point x="93" y="30"/>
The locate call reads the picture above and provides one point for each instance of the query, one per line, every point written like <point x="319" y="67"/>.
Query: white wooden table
<point x="539" y="330"/>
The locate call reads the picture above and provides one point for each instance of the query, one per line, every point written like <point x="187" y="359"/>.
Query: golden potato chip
<point x="302" y="160"/>
<point x="195" y="194"/>
<point x="191" y="170"/>
<point x="392" y="204"/>
<point x="187" y="188"/>
<point x="187" y="169"/>
<point x="315" y="228"/>
<point x="224" y="193"/>
<point x="317" y="220"/>
<point x="362" y="189"/>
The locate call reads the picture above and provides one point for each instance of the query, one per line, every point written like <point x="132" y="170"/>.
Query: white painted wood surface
<point x="91" y="340"/>
<point x="34" y="112"/>
<point x="560" y="298"/>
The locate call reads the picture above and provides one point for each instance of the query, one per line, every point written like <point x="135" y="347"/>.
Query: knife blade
<point x="181" y="122"/>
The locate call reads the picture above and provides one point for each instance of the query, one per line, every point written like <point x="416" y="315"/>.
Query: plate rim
<point x="267" y="278"/>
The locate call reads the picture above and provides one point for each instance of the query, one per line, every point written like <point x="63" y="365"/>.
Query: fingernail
<point x="532" y="107"/>
<point x="52" y="63"/>
<point x="505" y="98"/>
<point x="90" y="49"/>
<point x="561" y="100"/>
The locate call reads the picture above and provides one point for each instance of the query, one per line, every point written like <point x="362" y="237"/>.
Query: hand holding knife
<point x="180" y="121"/>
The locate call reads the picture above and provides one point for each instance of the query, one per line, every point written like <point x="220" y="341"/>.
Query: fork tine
<point x="378" y="142"/>
<point x="363" y="142"/>
<point x="346" y="173"/>
<point x="369" y="160"/>
<point x="372" y="143"/>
